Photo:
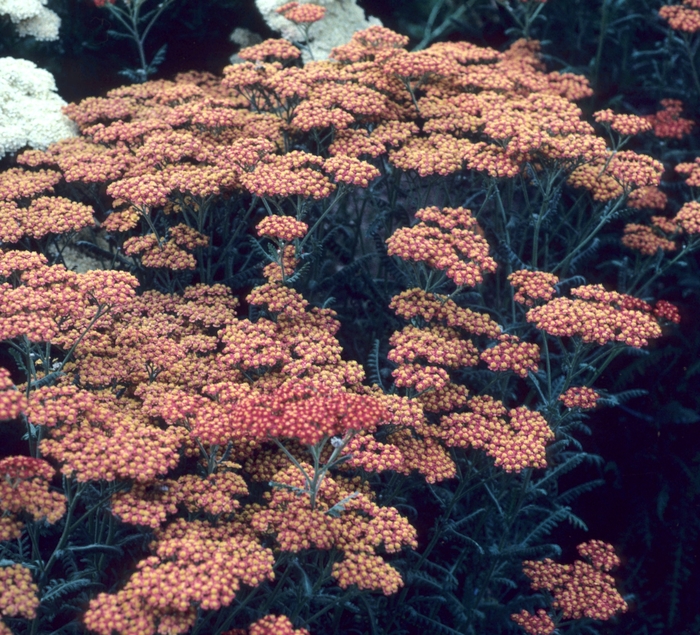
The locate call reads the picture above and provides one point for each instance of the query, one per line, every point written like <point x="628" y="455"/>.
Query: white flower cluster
<point x="342" y="19"/>
<point x="32" y="18"/>
<point x="30" y="109"/>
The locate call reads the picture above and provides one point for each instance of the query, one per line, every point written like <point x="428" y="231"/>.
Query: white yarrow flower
<point x="32" y="18"/>
<point x="30" y="108"/>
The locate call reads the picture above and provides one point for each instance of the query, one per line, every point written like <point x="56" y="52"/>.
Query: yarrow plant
<point x="340" y="349"/>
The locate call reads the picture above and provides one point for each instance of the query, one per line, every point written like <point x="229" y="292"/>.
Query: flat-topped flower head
<point x="532" y="285"/>
<point x="12" y="401"/>
<point x="667" y="123"/>
<point x="682" y="17"/>
<point x="597" y="316"/>
<point x="627" y="125"/>
<point x="302" y="13"/>
<point x="539" y="623"/>
<point x="25" y="488"/>
<point x="446" y="239"/>
<point x="688" y="217"/>
<point x="284" y="228"/>
<point x="581" y="397"/>
<point x="19" y="595"/>
<point x="582" y="589"/>
<point x="276" y="49"/>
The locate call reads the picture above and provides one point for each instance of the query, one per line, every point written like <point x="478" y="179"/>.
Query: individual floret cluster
<point x="582" y="589"/>
<point x="581" y="397"/>
<point x="25" y="489"/>
<point x="515" y="438"/>
<point x="538" y="623"/>
<point x="18" y="593"/>
<point x="195" y="564"/>
<point x="682" y="17"/>
<point x="446" y="239"/>
<point x="531" y="286"/>
<point x="667" y="123"/>
<point x="340" y="517"/>
<point x="626" y="125"/>
<point x="597" y="316"/>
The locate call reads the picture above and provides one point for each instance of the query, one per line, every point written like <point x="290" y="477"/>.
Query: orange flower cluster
<point x="692" y="170"/>
<point x="667" y="123"/>
<point x="539" y="623"/>
<point x="617" y="175"/>
<point x="582" y="589"/>
<point x="515" y="443"/>
<point x="447" y="239"/>
<point x="46" y="303"/>
<point x="25" y="489"/>
<point x="650" y="197"/>
<point x="195" y="565"/>
<point x="599" y="316"/>
<point x="627" y="125"/>
<point x="580" y="397"/>
<point x="12" y="401"/>
<point x="344" y="517"/>
<point x="270" y="625"/>
<point x="648" y="239"/>
<point x="682" y="17"/>
<point x="169" y="254"/>
<point x="512" y="354"/>
<point x="23" y="213"/>
<point x="283" y="228"/>
<point x="302" y="13"/>
<point x="18" y="593"/>
<point x="532" y="285"/>
<point x="688" y="217"/>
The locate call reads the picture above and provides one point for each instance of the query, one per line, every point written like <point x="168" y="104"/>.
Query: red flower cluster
<point x="668" y="123"/>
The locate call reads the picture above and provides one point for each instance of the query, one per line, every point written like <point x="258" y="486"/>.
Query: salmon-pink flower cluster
<point x="512" y="354"/>
<point x="18" y="593"/>
<point x="447" y="239"/>
<point x="12" y="401"/>
<point x="538" y="623"/>
<point x="688" y="217"/>
<point x="649" y="239"/>
<point x="582" y="589"/>
<point x="682" y="17"/>
<point x="283" y="228"/>
<point x="270" y="625"/>
<point x="302" y="13"/>
<point x="532" y="285"/>
<point x="195" y="564"/>
<point x="649" y="197"/>
<point x="627" y="125"/>
<point x="343" y="518"/>
<point x="515" y="438"/>
<point x="25" y="488"/>
<point x="581" y="397"/>
<point x="597" y="316"/>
